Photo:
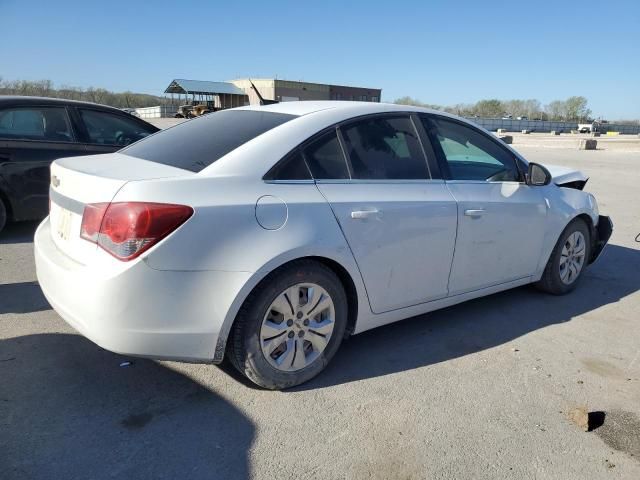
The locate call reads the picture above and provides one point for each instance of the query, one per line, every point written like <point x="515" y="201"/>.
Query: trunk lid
<point x="78" y="181"/>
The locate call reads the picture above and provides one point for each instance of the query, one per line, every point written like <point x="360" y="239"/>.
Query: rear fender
<point x="342" y="255"/>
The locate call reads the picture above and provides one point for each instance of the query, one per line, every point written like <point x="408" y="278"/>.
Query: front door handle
<point x="364" y="214"/>
<point x="474" y="212"/>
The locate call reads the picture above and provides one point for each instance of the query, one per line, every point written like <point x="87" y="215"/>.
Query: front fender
<point x="563" y="205"/>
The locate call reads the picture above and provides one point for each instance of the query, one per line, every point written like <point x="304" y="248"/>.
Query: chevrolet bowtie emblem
<point x="55" y="181"/>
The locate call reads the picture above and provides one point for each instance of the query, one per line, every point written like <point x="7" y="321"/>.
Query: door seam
<point x="348" y="246"/>
<point x="455" y="240"/>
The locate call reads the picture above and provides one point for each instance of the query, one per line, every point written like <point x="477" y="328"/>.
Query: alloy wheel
<point x="297" y="327"/>
<point x="572" y="258"/>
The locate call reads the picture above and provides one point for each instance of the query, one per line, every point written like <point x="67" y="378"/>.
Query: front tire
<point x="568" y="259"/>
<point x="290" y="326"/>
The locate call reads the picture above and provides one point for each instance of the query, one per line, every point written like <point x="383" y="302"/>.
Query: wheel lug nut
<point x="289" y="323"/>
<point x="291" y="334"/>
<point x="301" y="333"/>
<point x="299" y="315"/>
<point x="306" y="322"/>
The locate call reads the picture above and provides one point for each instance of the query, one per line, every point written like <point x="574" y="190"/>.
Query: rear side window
<point x="196" y="144"/>
<point x="291" y="168"/>
<point x="108" y="129"/>
<point x="48" y="124"/>
<point x="385" y="148"/>
<point x="326" y="159"/>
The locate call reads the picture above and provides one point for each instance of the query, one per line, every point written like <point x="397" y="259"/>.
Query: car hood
<point x="561" y="175"/>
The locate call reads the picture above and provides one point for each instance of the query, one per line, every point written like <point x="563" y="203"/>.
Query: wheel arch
<point x="349" y="277"/>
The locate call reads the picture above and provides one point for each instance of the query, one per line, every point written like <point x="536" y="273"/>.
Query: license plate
<point x="64" y="224"/>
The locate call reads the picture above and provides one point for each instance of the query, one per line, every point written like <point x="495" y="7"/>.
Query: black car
<point x="35" y="131"/>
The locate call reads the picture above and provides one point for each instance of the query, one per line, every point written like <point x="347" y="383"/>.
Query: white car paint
<point x="418" y="252"/>
<point x="562" y="175"/>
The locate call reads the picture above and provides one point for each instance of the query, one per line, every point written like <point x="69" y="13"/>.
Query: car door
<point x="399" y="223"/>
<point x="31" y="137"/>
<point x="501" y="220"/>
<point x="106" y="132"/>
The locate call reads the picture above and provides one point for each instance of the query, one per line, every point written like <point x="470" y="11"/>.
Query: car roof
<point x="29" y="100"/>
<point x="350" y="108"/>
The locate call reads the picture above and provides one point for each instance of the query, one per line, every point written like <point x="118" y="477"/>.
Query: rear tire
<point x="278" y="341"/>
<point x="568" y="259"/>
<point x="3" y="215"/>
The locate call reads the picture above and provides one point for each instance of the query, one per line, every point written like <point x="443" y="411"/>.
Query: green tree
<point x="45" y="88"/>
<point x="576" y="108"/>
<point x="492" y="108"/>
<point x="415" y="102"/>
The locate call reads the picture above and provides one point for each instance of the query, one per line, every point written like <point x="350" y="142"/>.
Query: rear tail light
<point x="126" y="229"/>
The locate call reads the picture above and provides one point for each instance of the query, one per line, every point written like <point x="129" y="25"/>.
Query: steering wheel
<point x="122" y="139"/>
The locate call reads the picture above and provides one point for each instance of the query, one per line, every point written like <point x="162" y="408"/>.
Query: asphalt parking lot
<point x="479" y="390"/>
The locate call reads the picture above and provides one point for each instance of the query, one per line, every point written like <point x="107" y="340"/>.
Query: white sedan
<point x="270" y="234"/>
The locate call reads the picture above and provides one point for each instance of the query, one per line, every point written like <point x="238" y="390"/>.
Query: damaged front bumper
<point x="602" y="233"/>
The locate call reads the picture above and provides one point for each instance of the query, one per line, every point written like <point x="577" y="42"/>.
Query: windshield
<point x="196" y="144"/>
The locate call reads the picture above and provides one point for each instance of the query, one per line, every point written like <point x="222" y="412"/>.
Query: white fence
<point x="161" y="111"/>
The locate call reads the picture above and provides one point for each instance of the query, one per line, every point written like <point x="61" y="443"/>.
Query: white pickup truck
<point x="589" y="127"/>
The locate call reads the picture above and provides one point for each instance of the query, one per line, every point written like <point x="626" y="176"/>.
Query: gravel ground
<point x="479" y="390"/>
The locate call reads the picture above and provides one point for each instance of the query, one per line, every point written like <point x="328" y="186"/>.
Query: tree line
<point x="572" y="109"/>
<point x="45" y="88"/>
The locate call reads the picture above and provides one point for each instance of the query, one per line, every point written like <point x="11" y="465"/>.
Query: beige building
<point x="288" y="91"/>
<point x="236" y="93"/>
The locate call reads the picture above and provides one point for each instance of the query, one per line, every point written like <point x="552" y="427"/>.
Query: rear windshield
<point x="196" y="144"/>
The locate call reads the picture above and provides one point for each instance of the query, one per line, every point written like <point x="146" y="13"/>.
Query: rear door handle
<point x="474" y="212"/>
<point x="364" y="214"/>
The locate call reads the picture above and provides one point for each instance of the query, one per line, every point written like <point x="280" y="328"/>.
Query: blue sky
<point x="441" y="52"/>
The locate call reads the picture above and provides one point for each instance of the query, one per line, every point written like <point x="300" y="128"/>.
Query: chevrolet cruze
<point x="269" y="234"/>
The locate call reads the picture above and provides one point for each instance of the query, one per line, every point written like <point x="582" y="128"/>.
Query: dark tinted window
<point x="385" y="148"/>
<point x="196" y="144"/>
<point x="291" y="168"/>
<point x="472" y="155"/>
<point x="39" y="123"/>
<point x="325" y="158"/>
<point x="109" y="129"/>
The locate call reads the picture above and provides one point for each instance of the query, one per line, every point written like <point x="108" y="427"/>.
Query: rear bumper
<point x="137" y="310"/>
<point x="603" y="232"/>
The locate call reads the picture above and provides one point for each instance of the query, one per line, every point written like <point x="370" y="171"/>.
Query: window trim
<point x="70" y="123"/>
<point x="442" y="160"/>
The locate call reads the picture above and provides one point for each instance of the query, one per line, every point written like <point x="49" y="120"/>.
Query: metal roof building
<point x="201" y="87"/>
<point x="220" y="94"/>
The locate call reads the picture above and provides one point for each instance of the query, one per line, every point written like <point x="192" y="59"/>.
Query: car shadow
<point x="68" y="409"/>
<point x="478" y="324"/>
<point x="18" y="232"/>
<point x="22" y="297"/>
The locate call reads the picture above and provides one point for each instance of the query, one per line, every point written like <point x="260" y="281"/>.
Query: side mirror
<point x="538" y="175"/>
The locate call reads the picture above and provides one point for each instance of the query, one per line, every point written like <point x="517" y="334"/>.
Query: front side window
<point x="40" y="123"/>
<point x="197" y="143"/>
<point x="325" y="158"/>
<point x="470" y="154"/>
<point x="109" y="129"/>
<point x="385" y="149"/>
